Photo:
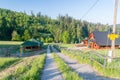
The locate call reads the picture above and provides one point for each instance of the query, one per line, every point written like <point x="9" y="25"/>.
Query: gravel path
<point x="84" y="70"/>
<point x="51" y="71"/>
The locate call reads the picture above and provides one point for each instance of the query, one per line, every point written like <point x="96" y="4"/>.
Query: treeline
<point x="19" y="26"/>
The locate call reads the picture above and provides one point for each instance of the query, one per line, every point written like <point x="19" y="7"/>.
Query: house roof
<point x="32" y="42"/>
<point x="29" y="43"/>
<point x="102" y="39"/>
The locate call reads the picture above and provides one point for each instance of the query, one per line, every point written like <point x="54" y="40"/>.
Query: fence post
<point x="21" y="50"/>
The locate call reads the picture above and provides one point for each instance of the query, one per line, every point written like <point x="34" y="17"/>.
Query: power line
<point x="90" y="9"/>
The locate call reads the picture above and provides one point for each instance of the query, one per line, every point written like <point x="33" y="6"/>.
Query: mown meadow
<point x="30" y="69"/>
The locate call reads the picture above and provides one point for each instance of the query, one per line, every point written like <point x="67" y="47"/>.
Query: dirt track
<point x="51" y="71"/>
<point x="84" y="70"/>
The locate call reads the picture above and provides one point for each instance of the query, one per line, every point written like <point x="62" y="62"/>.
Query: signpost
<point x="113" y="36"/>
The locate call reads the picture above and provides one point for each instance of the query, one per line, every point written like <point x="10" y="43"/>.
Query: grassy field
<point x="30" y="70"/>
<point x="67" y="45"/>
<point x="105" y="52"/>
<point x="10" y="42"/>
<point x="100" y="51"/>
<point x="12" y="47"/>
<point x="5" y="50"/>
<point x="110" y="70"/>
<point x="9" y="46"/>
<point x="63" y="45"/>
<point x="6" y="62"/>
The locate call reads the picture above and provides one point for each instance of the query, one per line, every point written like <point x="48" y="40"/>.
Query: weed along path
<point x="51" y="71"/>
<point x="84" y="70"/>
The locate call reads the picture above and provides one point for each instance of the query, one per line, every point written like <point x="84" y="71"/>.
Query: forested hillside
<point x="19" y="26"/>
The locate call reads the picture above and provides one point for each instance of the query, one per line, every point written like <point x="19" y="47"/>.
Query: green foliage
<point x="63" y="29"/>
<point x="15" y="36"/>
<point x="42" y="39"/>
<point x="65" y="37"/>
<point x="49" y="40"/>
<point x="84" y="30"/>
<point x="26" y="35"/>
<point x="66" y="70"/>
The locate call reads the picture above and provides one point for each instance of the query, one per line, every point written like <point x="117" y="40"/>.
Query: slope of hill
<point x="20" y="26"/>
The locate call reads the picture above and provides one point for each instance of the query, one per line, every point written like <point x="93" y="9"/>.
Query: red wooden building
<point x="99" y="40"/>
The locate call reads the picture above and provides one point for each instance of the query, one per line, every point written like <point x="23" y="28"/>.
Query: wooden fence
<point x="95" y="56"/>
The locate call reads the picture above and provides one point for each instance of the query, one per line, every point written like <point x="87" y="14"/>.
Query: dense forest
<point x="19" y="26"/>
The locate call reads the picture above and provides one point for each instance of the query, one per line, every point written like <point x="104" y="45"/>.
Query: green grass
<point x="10" y="42"/>
<point x="111" y="70"/>
<point x="106" y="71"/>
<point x="101" y="51"/>
<point x="6" y="62"/>
<point x="106" y="51"/>
<point x="66" y="71"/>
<point x="63" y="45"/>
<point x="11" y="49"/>
<point x="115" y="63"/>
<point x="7" y="45"/>
<point x="67" y="45"/>
<point x="31" y="71"/>
<point x="83" y="58"/>
<point x="11" y="46"/>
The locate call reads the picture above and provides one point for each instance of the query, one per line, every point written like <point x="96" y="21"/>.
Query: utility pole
<point x="114" y="26"/>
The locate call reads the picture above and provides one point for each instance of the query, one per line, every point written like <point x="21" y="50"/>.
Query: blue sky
<point x="101" y="13"/>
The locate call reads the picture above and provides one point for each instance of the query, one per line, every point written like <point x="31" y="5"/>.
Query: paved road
<point x="84" y="70"/>
<point x="51" y="71"/>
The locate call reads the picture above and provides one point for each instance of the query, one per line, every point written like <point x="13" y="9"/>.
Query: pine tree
<point x="65" y="37"/>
